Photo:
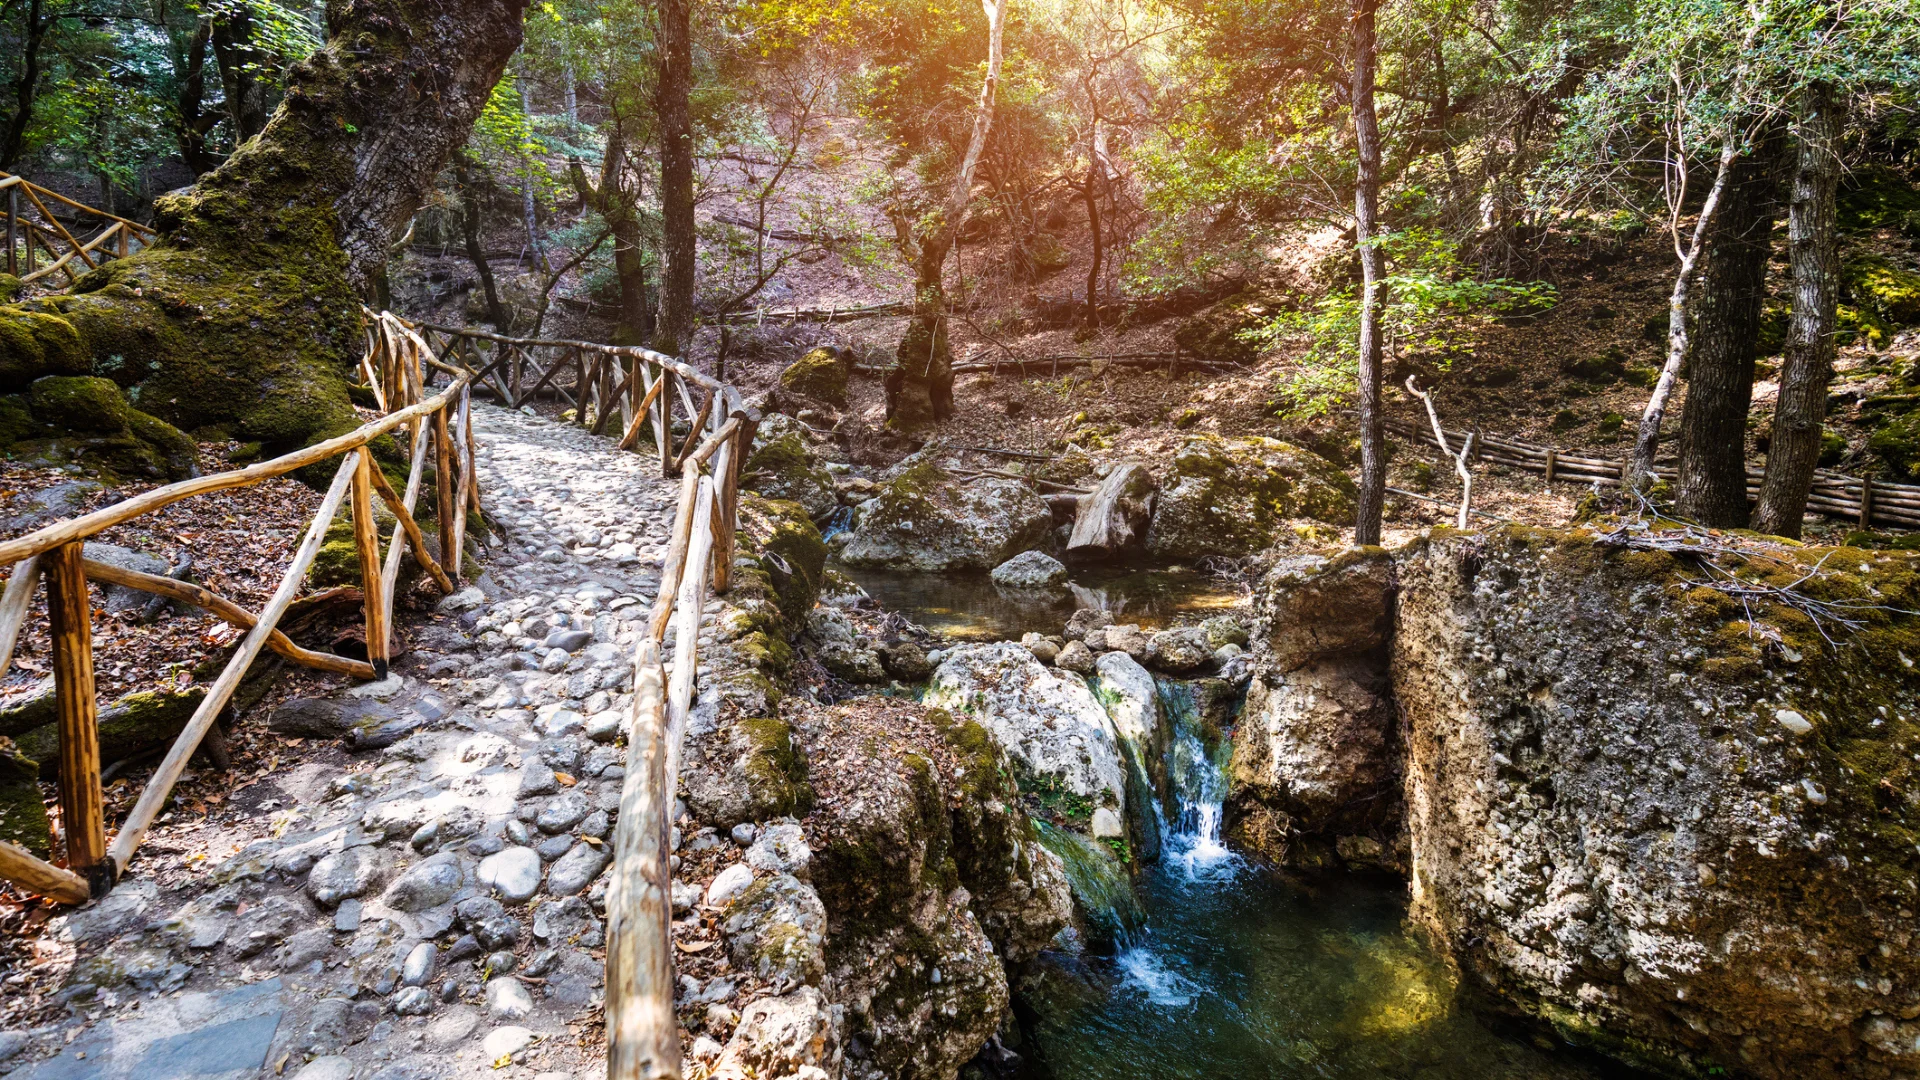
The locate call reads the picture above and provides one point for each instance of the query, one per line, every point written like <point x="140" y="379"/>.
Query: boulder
<point x="776" y="932"/>
<point x="1234" y="496"/>
<point x="821" y="374"/>
<point x="23" y="816"/>
<point x="787" y="549"/>
<point x="783" y="468"/>
<point x="88" y="421"/>
<point x="746" y="770"/>
<point x="793" y="1036"/>
<point x="1030" y="570"/>
<point x="1614" y="827"/>
<point x="1049" y="722"/>
<point x="1179" y="651"/>
<point x="925" y="519"/>
<point x="1311" y="607"/>
<point x="1112" y="522"/>
<point x="119" y="597"/>
<point x="1311" y="757"/>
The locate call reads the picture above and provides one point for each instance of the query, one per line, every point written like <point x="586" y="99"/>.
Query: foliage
<point x="1433" y="306"/>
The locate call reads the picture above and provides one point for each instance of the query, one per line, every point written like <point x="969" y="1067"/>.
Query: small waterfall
<point x="1197" y="790"/>
<point x="1099" y="882"/>
<point x="837" y="522"/>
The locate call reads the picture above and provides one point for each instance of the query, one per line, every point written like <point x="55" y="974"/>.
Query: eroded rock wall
<point x="1674" y="834"/>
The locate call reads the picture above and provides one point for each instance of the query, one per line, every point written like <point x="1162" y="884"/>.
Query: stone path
<point x="430" y="904"/>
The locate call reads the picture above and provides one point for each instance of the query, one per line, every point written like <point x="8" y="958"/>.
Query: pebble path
<point x="432" y="905"/>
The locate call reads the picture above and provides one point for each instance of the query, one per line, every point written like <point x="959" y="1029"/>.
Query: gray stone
<point x="537" y="779"/>
<point x="427" y="885"/>
<point x="1076" y="657"/>
<point x="1179" y="651"/>
<point x="514" y="871"/>
<point x="507" y="1040"/>
<point x="346" y="917"/>
<point x="596" y="825"/>
<point x="344" y="874"/>
<point x="193" y="1036"/>
<point x="120" y="597"/>
<point x="781" y="848"/>
<point x="568" y="640"/>
<point x="563" y="812"/>
<point x="333" y="1067"/>
<point x="508" y="999"/>
<point x="452" y="1027"/>
<point x="413" y="1001"/>
<point x="905" y="661"/>
<point x="552" y="847"/>
<point x="576" y="870"/>
<point x="604" y="726"/>
<point x="1030" y="570"/>
<point x="418" y="967"/>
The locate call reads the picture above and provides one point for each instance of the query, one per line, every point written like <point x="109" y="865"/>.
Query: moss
<point x="23" y="816"/>
<point x="776" y="773"/>
<point x="134" y="724"/>
<point x="821" y="374"/>
<point x="16" y="422"/>
<point x="1233" y="496"/>
<point x="35" y="344"/>
<point x="783" y="468"/>
<point x="789" y="550"/>
<point x="92" y="422"/>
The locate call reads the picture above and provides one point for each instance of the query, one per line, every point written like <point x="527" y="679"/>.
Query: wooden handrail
<point x="637" y="352"/>
<point x="63" y="532"/>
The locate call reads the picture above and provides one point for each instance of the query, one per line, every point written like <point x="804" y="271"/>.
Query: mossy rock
<point x="1608" y="367"/>
<point x="16" y="423"/>
<point x="926" y="519"/>
<point x="788" y="547"/>
<point x="86" y="419"/>
<point x="1565" y="420"/>
<point x="1233" y="496"/>
<point x="338" y="560"/>
<point x="821" y="374"/>
<point x="135" y="724"/>
<point x="776" y="773"/>
<point x="1897" y="443"/>
<point x="1889" y="293"/>
<point x="33" y="345"/>
<point x="783" y="468"/>
<point x="1218" y="334"/>
<point x="23" y="817"/>
<point x="1611" y="423"/>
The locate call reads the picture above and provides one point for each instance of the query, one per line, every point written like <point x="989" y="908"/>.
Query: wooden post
<point x="28" y="232"/>
<point x="663" y="427"/>
<point x="82" y="817"/>
<point x="366" y="541"/>
<point x="20" y="867"/>
<point x="13" y="229"/>
<point x="1866" y="502"/>
<point x="643" y="1034"/>
<point x="14" y="604"/>
<point x="472" y="474"/>
<point x="465" y="457"/>
<point x="1553" y="458"/>
<point x="443" y="504"/>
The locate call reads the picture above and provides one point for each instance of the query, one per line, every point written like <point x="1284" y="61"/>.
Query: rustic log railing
<point x="56" y="554"/>
<point x="30" y="219"/>
<point x="641" y="387"/>
<point x="1862" y="499"/>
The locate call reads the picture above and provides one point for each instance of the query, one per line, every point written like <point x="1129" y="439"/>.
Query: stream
<point x="1220" y="968"/>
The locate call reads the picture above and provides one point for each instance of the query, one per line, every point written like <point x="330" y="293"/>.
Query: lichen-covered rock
<point x="789" y="549"/>
<point x="1179" y="651"/>
<point x="747" y="770"/>
<point x="925" y="519"/>
<point x="1030" y="570"/>
<point x="133" y="724"/>
<point x="1311" y="758"/>
<point x="776" y="931"/>
<point x="794" y="1036"/>
<point x="1311" y="607"/>
<point x="783" y="468"/>
<point x="1232" y="496"/>
<point x="23" y="817"/>
<point x="852" y="663"/>
<point x="821" y="374"/>
<point x="1053" y="728"/>
<point x="1670" y="832"/>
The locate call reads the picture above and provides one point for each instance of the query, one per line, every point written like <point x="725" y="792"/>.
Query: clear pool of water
<point x="969" y="606"/>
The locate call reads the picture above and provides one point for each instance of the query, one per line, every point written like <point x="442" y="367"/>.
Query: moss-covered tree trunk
<point x="244" y="315"/>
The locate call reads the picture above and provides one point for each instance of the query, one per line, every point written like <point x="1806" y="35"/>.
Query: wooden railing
<point x="1863" y="499"/>
<point x="642" y="387"/>
<point x="31" y="220"/>
<point x="55" y="554"/>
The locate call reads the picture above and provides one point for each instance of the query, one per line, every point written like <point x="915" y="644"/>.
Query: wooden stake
<point x="13" y="229"/>
<point x="82" y="816"/>
<point x="408" y="527"/>
<point x="1553" y="458"/>
<point x="643" y="1034"/>
<point x="465" y="469"/>
<point x="160" y="787"/>
<point x="640" y="415"/>
<point x="20" y="867"/>
<point x="1866" y="502"/>
<point x="14" y="604"/>
<point x="443" y="485"/>
<point x="366" y="541"/>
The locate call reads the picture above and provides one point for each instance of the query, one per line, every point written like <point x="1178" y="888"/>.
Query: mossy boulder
<point x="1896" y="442"/>
<point x="88" y="421"/>
<point x="1234" y="496"/>
<point x="33" y="345"/>
<point x="779" y="534"/>
<point x="776" y="773"/>
<point x="134" y="724"/>
<point x="1219" y="334"/>
<point x="821" y="374"/>
<point x="23" y="817"/>
<point x="783" y="468"/>
<point x="926" y="519"/>
<point x="1885" y="297"/>
<point x="16" y="422"/>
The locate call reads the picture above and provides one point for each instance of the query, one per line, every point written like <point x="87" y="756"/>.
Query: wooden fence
<point x="55" y="555"/>
<point x="642" y="388"/>
<point x="34" y="223"/>
<point x="1864" y="500"/>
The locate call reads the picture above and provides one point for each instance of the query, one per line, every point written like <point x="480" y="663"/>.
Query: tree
<point x="920" y="385"/>
<point x="1367" y="237"/>
<point x="1712" y="485"/>
<point x="245" y="313"/>
<point x="673" y="331"/>
<point x="1814" y="249"/>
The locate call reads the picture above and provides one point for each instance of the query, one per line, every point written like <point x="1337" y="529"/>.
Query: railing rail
<point x="42" y="231"/>
<point x="642" y="388"/>
<point x="55" y="554"/>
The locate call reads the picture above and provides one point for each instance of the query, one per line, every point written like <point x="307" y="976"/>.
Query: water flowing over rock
<point x="1049" y="721"/>
<point x="1232" y="496"/>
<point x="927" y="520"/>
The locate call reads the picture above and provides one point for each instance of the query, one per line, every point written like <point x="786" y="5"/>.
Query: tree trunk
<point x="194" y="122"/>
<point x="245" y="313"/>
<point x="26" y="86"/>
<point x="1646" y="441"/>
<point x="920" y="386"/>
<point x="1366" y="210"/>
<point x="673" y="331"/>
<point x="1092" y="193"/>
<point x="1712" y="488"/>
<point x="470" y="232"/>
<point x="233" y="47"/>
<point x="616" y="207"/>
<point x="1814" y="249"/>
